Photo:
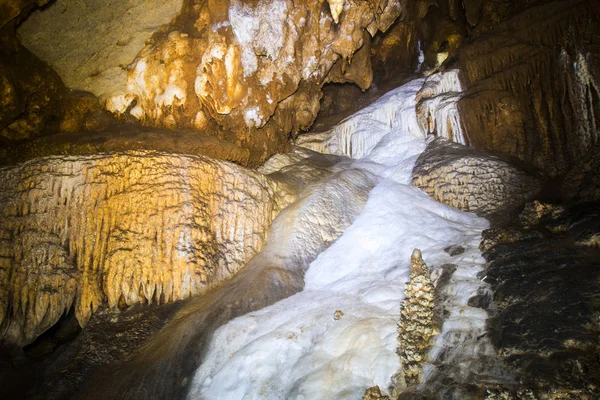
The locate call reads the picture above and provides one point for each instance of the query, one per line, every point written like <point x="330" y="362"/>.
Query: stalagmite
<point x="415" y="327"/>
<point x="374" y="393"/>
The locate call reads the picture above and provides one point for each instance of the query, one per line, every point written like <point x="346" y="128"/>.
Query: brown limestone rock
<point x="126" y="228"/>
<point x="374" y="393"/>
<point x="249" y="72"/>
<point x="90" y="43"/>
<point x="120" y="138"/>
<point x="12" y="9"/>
<point x="83" y="113"/>
<point x="533" y="85"/>
<point x="582" y="182"/>
<point x="472" y="180"/>
<point x="30" y="93"/>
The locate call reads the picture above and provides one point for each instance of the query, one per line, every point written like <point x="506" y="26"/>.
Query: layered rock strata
<point x="136" y="227"/>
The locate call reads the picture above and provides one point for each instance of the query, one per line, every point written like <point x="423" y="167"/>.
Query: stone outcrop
<point x="472" y="180"/>
<point x="136" y="227"/>
<point x="247" y="72"/>
<point x="30" y="92"/>
<point x="122" y="138"/>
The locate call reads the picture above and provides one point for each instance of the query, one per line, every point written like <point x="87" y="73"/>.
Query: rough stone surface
<point x="137" y="227"/>
<point x="91" y="43"/>
<point x="416" y="325"/>
<point x="582" y="182"/>
<point x="247" y="71"/>
<point x="533" y="85"/>
<point x="122" y="138"/>
<point x="472" y="180"/>
<point x="30" y="93"/>
<point x="12" y="9"/>
<point x="374" y="393"/>
<point x="545" y="306"/>
<point x="109" y="336"/>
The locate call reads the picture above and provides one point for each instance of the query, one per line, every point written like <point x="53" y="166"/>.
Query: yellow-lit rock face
<point x="136" y="227"/>
<point x="90" y="43"/>
<point x="250" y="72"/>
<point x="415" y="327"/>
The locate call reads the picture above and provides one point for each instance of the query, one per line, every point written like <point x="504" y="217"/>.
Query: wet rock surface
<point x="546" y="302"/>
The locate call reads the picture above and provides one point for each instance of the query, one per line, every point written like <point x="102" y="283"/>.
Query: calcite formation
<point x="374" y="393"/>
<point x="415" y="327"/>
<point x="533" y="84"/>
<point x="472" y="180"/>
<point x="138" y="227"/>
<point x="247" y="71"/>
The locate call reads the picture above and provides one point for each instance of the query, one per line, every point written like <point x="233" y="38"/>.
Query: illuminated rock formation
<point x="91" y="43"/>
<point x="374" y="393"/>
<point x="250" y="72"/>
<point x="415" y="327"/>
<point x="122" y="229"/>
<point x="472" y="180"/>
<point x="533" y="85"/>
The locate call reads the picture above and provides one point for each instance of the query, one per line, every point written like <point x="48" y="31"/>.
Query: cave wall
<point x="530" y="72"/>
<point x="249" y="72"/>
<point x="121" y="229"/>
<point x="533" y="85"/>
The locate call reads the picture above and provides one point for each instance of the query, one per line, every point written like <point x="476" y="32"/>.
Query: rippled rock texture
<point x="533" y="85"/>
<point x="138" y="227"/>
<point x="472" y="180"/>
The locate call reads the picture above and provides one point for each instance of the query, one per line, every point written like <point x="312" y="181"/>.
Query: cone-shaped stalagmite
<point x="415" y="328"/>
